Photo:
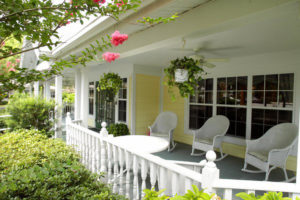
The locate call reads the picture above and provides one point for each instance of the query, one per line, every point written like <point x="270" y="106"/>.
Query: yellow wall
<point x="177" y="107"/>
<point x="147" y="102"/>
<point x="129" y="87"/>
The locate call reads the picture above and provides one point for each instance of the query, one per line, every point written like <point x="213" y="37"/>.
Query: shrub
<point x="30" y="112"/>
<point x="33" y="166"/>
<point x="118" y="129"/>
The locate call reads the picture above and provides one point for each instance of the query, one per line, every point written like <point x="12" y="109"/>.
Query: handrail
<point x="155" y="159"/>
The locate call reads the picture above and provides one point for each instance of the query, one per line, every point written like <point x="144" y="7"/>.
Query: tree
<point x="39" y="21"/>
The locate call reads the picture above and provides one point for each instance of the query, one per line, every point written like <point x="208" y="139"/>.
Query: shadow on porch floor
<point x="230" y="167"/>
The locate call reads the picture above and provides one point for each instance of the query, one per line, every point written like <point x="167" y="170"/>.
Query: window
<point x="200" y="105"/>
<point x="91" y="97"/>
<point x="232" y="94"/>
<point x="273" y="90"/>
<point x="122" y="102"/>
<point x="272" y="102"/>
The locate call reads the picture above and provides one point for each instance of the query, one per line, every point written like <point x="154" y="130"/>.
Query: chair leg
<point x="173" y="144"/>
<point x="268" y="172"/>
<point x="285" y="174"/>
<point x="222" y="155"/>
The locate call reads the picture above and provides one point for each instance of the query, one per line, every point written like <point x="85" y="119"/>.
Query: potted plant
<point x="118" y="129"/>
<point x="185" y="73"/>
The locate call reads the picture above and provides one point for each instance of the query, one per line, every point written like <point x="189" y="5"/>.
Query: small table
<point x="142" y="143"/>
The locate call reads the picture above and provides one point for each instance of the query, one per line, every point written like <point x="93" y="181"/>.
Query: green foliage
<point x="24" y="148"/>
<point x="110" y="81"/>
<point x="36" y="167"/>
<point x="118" y="129"/>
<point x="152" y="21"/>
<point x="30" y="113"/>
<point x="195" y="73"/>
<point x="266" y="196"/>
<point x="154" y="195"/>
<point x="68" y="97"/>
<point x="196" y="194"/>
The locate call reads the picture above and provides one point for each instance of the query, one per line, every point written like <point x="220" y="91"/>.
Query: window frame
<point x="127" y="103"/>
<point x="94" y="99"/>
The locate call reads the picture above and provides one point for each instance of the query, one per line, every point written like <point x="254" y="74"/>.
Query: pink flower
<point x="18" y="60"/>
<point x="121" y="3"/>
<point x="2" y="44"/>
<point x="117" y="38"/>
<point x="8" y="64"/>
<point x="109" y="56"/>
<point x="12" y="70"/>
<point x="99" y="1"/>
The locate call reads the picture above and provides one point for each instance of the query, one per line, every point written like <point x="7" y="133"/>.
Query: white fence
<point x="130" y="171"/>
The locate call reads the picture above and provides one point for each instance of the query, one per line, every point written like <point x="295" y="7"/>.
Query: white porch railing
<point x="130" y="172"/>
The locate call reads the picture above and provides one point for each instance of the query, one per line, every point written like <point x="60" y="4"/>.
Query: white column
<point x="47" y="92"/>
<point x="36" y="88"/>
<point x="77" y="94"/>
<point x="58" y="110"/>
<point x="84" y="99"/>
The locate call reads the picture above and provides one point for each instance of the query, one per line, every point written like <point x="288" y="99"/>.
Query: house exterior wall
<point x="147" y="101"/>
<point x="271" y="63"/>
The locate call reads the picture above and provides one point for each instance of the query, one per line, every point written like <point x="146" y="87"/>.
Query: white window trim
<point x="94" y="102"/>
<point x="127" y="105"/>
<point x="249" y="107"/>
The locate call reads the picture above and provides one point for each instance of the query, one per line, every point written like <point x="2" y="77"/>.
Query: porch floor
<point x="230" y="167"/>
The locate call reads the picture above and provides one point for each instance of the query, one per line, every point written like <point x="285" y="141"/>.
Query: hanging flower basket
<point x="181" y="75"/>
<point x="111" y="82"/>
<point x="184" y="73"/>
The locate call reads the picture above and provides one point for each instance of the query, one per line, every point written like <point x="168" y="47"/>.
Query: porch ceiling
<point x="278" y="33"/>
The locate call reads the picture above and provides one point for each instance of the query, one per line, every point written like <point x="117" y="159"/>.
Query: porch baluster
<point x="153" y="174"/>
<point x="128" y="167"/>
<point x="144" y="171"/>
<point x="135" y="169"/>
<point x="94" y="153"/>
<point x="97" y="159"/>
<point x="228" y="194"/>
<point x="116" y="165"/>
<point x="109" y="162"/>
<point x="188" y="184"/>
<point x="121" y="163"/>
<point x="175" y="183"/>
<point x="103" y="133"/>
<point x="162" y="181"/>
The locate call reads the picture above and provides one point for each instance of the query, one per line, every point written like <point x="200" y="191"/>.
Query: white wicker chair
<point x="163" y="126"/>
<point x="271" y="150"/>
<point x="210" y="135"/>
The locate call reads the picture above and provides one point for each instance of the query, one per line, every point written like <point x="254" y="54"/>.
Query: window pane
<point x="286" y="81"/>
<point x="198" y="115"/>
<point x="209" y="84"/>
<point x="209" y="97"/>
<point x="272" y="82"/>
<point x="285" y="116"/>
<point x="258" y="82"/>
<point x="258" y="116"/>
<point x="231" y="83"/>
<point x="122" y="111"/>
<point x="221" y="97"/>
<point x="201" y="97"/>
<point x="271" y="99"/>
<point x="221" y="84"/>
<point x="201" y="85"/>
<point x="271" y="117"/>
<point x="258" y="98"/>
<point x="241" y="129"/>
<point x="241" y="114"/>
<point x="192" y="99"/>
<point x="231" y="129"/>
<point x="242" y="83"/>
<point x="257" y="130"/>
<point x="285" y="99"/>
<point x="231" y="113"/>
<point x="221" y="110"/>
<point x="231" y="98"/>
<point x="241" y="98"/>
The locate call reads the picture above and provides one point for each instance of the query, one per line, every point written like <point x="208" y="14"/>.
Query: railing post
<point x="68" y="121"/>
<point x="210" y="173"/>
<point x="103" y="133"/>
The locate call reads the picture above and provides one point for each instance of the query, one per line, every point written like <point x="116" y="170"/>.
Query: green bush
<point x="33" y="166"/>
<point x="118" y="129"/>
<point x="30" y="113"/>
<point x="68" y="97"/>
